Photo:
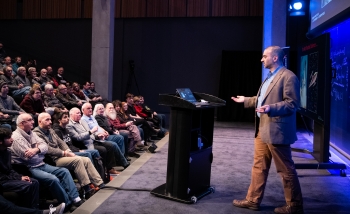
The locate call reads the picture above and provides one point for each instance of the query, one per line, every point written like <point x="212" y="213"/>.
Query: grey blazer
<point x="80" y="132"/>
<point x="283" y="96"/>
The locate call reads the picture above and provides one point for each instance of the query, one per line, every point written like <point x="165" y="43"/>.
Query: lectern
<point x="190" y="148"/>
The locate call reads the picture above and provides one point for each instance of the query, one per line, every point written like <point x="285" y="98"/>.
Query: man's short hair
<point x="31" y="69"/>
<point x="5" y="133"/>
<point x="129" y="95"/>
<point x="84" y="105"/>
<point x="48" y="87"/>
<point x="72" y="110"/>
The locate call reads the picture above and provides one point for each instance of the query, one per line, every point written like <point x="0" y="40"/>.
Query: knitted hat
<point x="2" y="83"/>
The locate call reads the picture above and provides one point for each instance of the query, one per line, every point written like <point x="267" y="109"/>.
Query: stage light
<point x="296" y="8"/>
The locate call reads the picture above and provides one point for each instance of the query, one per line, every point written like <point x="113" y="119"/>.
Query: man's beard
<point x="112" y="115"/>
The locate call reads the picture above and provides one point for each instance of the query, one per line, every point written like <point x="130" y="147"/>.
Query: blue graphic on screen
<point x="340" y="96"/>
<point x="186" y="93"/>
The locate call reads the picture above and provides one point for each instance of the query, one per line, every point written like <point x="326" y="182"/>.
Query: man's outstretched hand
<point x="238" y="99"/>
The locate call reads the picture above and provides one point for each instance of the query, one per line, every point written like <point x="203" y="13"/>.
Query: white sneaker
<point x="57" y="210"/>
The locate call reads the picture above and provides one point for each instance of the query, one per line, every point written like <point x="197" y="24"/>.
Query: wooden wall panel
<point x="256" y="8"/>
<point x="31" y="9"/>
<point x="233" y="7"/>
<point x="87" y="11"/>
<point x="133" y="8"/>
<point x="58" y="9"/>
<point x="157" y="8"/>
<point x="8" y="9"/>
<point x="73" y="9"/>
<point x="197" y="8"/>
<point x="118" y="9"/>
<point x="177" y="8"/>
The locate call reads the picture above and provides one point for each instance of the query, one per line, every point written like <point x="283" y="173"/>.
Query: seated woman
<point x="129" y="128"/>
<point x="121" y="108"/>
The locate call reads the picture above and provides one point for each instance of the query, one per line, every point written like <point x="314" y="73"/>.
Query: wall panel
<point x="197" y="8"/>
<point x="157" y="8"/>
<point x="87" y="11"/>
<point x="8" y="9"/>
<point x="133" y="8"/>
<point x="31" y="9"/>
<point x="177" y="8"/>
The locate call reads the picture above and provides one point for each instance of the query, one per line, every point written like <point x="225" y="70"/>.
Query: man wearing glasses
<point x="65" y="99"/>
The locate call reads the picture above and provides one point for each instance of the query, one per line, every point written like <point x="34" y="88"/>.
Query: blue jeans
<point x="92" y="154"/>
<point x="58" y="180"/>
<point x="119" y="140"/>
<point x="23" y="91"/>
<point x="162" y="120"/>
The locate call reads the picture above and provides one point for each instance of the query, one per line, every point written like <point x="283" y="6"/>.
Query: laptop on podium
<point x="186" y="94"/>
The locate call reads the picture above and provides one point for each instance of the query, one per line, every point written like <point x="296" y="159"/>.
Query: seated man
<point x="44" y="78"/>
<point x="80" y="133"/>
<point x="88" y="120"/>
<point x="21" y="77"/>
<point x="83" y="169"/>
<point x="9" y="208"/>
<point x="65" y="99"/>
<point x="14" y="89"/>
<point x="51" y="101"/>
<point x="60" y="123"/>
<point x="59" y="77"/>
<point x="50" y="75"/>
<point x="91" y="95"/>
<point x="8" y="104"/>
<point x="32" y="76"/>
<point x="30" y="150"/>
<point x="10" y="180"/>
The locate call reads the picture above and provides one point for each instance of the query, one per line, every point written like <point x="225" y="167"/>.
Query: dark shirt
<point x="131" y="110"/>
<point x="63" y="133"/>
<point x="6" y="171"/>
<point x="103" y="122"/>
<point x="32" y="106"/>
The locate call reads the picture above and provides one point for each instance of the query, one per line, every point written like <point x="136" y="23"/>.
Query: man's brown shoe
<point x="286" y="209"/>
<point x="246" y="204"/>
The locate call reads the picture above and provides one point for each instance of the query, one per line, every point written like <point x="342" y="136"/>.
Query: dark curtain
<point x="240" y="75"/>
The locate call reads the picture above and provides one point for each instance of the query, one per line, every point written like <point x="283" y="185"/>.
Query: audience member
<point x="59" y="77"/>
<point x="44" y="79"/>
<point x="7" y="63"/>
<point x="65" y="99"/>
<point x="30" y="63"/>
<point x="51" y="76"/>
<point x="32" y="102"/>
<point x="59" y="126"/>
<point x="29" y="149"/>
<point x="90" y="122"/>
<point x="128" y="128"/>
<point x="64" y="157"/>
<point x="50" y="100"/>
<point x="10" y="180"/>
<point x="32" y="76"/>
<point x="78" y="92"/>
<point x="15" y="90"/>
<point x="72" y="95"/>
<point x="124" y="116"/>
<point x="8" y="104"/>
<point x="91" y="95"/>
<point x="148" y="110"/>
<point x="108" y="150"/>
<point x="102" y="121"/>
<point x="17" y="64"/>
<point x="9" y="208"/>
<point x="21" y="77"/>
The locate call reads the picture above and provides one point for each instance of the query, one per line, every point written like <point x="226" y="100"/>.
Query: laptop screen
<point x="186" y="94"/>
